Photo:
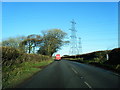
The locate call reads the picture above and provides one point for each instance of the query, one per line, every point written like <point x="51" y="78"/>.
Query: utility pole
<point x="73" y="40"/>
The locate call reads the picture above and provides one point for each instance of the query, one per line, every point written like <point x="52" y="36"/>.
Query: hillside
<point x="107" y="59"/>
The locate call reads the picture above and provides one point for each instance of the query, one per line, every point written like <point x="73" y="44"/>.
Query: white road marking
<point x="117" y="74"/>
<point x="87" y="84"/>
<point x="81" y="77"/>
<point x="74" y="71"/>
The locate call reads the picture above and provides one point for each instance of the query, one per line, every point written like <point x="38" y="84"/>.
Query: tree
<point x="31" y="42"/>
<point x="52" y="41"/>
<point x="13" y="41"/>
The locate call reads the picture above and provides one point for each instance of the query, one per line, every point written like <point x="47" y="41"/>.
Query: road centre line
<point x="74" y="71"/>
<point x="87" y="84"/>
<point x="116" y="74"/>
<point x="81" y="77"/>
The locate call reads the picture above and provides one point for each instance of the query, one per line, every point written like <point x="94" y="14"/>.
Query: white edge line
<point x="87" y="84"/>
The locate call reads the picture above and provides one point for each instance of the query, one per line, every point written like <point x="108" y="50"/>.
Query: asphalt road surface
<point x="69" y="74"/>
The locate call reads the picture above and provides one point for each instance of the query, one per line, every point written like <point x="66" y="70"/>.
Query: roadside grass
<point x="98" y="63"/>
<point x="16" y="74"/>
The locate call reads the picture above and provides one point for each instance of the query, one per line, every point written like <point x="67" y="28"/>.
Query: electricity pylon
<point x="73" y="40"/>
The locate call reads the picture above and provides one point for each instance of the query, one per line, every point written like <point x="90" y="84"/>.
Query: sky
<point x="96" y="22"/>
<point x="60" y="0"/>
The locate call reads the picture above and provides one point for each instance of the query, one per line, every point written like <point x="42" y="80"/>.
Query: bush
<point x="12" y="56"/>
<point x="114" y="56"/>
<point x="16" y="64"/>
<point x="9" y="55"/>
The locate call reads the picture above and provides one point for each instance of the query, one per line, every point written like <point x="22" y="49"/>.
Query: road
<point x="69" y="74"/>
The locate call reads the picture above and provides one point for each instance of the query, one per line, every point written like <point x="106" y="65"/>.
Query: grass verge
<point x="16" y="74"/>
<point x="95" y="62"/>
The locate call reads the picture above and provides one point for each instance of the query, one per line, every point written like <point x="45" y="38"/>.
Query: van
<point x="57" y="57"/>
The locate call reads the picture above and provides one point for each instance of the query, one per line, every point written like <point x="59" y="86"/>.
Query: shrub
<point x="114" y="56"/>
<point x="9" y="55"/>
<point x="12" y="56"/>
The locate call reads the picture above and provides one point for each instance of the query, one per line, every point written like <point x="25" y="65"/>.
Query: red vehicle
<point x="57" y="57"/>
